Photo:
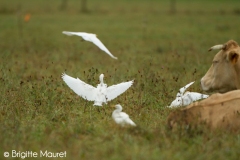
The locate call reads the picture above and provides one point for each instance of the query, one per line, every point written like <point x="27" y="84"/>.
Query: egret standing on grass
<point x="100" y="94"/>
<point x="91" y="38"/>
<point x="183" y="99"/>
<point x="121" y="118"/>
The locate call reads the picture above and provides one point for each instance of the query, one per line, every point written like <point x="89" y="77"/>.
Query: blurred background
<point x="161" y="44"/>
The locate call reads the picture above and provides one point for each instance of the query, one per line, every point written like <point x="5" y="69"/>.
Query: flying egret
<point x="120" y="117"/>
<point x="91" y="38"/>
<point x="100" y="94"/>
<point x="183" y="99"/>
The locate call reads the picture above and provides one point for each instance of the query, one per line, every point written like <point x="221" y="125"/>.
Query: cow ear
<point x="229" y="44"/>
<point x="233" y="57"/>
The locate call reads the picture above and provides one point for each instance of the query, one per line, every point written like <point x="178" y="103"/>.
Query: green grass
<point x="159" y="50"/>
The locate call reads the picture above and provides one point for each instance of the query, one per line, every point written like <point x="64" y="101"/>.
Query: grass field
<point x="160" y="50"/>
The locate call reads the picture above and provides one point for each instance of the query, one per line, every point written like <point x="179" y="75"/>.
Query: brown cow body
<point x="217" y="111"/>
<point x="224" y="74"/>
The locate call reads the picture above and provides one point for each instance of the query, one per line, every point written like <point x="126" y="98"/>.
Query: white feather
<point x="120" y="117"/>
<point x="100" y="94"/>
<point x="185" y="98"/>
<point x="115" y="90"/>
<point x="183" y="89"/>
<point x="91" y="38"/>
<point x="79" y="87"/>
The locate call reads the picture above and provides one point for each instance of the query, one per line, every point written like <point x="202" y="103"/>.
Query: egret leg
<point x="90" y="112"/>
<point x="104" y="109"/>
<point x="85" y="107"/>
<point x="98" y="109"/>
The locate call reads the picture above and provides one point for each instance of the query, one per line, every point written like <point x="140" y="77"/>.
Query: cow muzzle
<point x="204" y="85"/>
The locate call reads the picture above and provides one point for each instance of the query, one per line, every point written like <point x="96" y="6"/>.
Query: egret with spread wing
<point x="91" y="38"/>
<point x="121" y="118"/>
<point x="185" y="98"/>
<point x="100" y="94"/>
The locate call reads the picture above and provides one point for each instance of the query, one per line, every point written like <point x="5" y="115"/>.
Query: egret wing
<point x="183" y="89"/>
<point x="123" y="115"/>
<point x="197" y="96"/>
<point x="129" y="121"/>
<point x="98" y="43"/>
<point x="81" y="88"/>
<point x="74" y="33"/>
<point x="122" y="118"/>
<point x="115" y="90"/>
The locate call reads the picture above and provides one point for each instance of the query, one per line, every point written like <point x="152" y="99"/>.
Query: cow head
<point x="224" y="73"/>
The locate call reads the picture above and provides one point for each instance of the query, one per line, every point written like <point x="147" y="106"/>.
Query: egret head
<point x="101" y="78"/>
<point x="176" y="102"/>
<point x="118" y="106"/>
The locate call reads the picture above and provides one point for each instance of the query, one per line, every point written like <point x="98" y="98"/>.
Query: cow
<point x="219" y="111"/>
<point x="224" y="73"/>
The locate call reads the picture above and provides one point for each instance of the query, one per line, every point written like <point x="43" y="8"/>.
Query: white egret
<point x="91" y="38"/>
<point x="183" y="99"/>
<point x="100" y="94"/>
<point x="121" y="118"/>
